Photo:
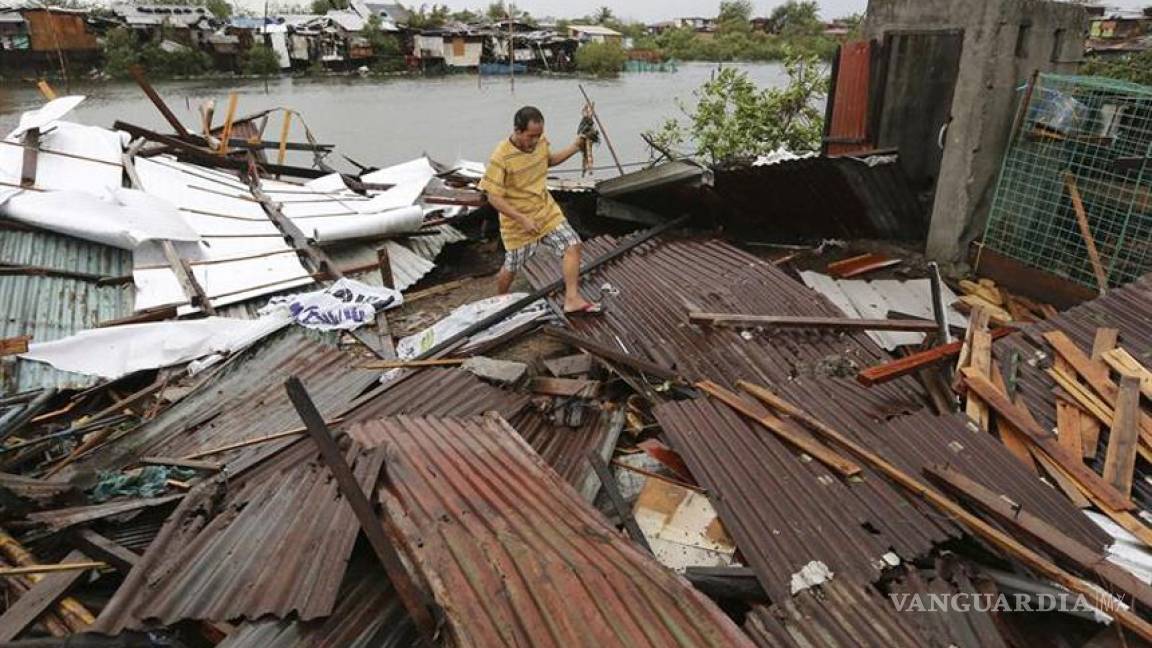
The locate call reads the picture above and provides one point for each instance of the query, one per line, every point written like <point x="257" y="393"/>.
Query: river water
<point x="381" y="122"/>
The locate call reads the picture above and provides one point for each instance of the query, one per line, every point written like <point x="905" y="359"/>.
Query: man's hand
<point x="528" y="224"/>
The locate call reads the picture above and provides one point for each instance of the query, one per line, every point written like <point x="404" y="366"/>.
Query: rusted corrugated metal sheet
<point x="847" y="132"/>
<point x="277" y="544"/>
<point x="441" y="392"/>
<point x="513" y="555"/>
<point x="818" y="619"/>
<point x="1128" y="309"/>
<point x="53" y="29"/>
<point x="369" y="615"/>
<point x="566" y="448"/>
<point x="244" y="400"/>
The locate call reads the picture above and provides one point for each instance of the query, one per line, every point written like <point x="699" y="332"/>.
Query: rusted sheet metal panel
<point x="784" y="512"/>
<point x="441" y="392"/>
<point x="244" y="400"/>
<point x="566" y="448"/>
<point x="369" y="615"/>
<point x="848" y="130"/>
<point x="660" y="281"/>
<point x="277" y="544"/>
<point x="514" y="556"/>
<point x="1128" y="309"/>
<point x="52" y="29"/>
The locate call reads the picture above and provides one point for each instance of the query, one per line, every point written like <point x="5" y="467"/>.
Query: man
<point x="515" y="184"/>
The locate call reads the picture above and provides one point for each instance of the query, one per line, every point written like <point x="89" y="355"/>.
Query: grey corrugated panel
<point x="1128" y="309"/>
<point x="49" y="308"/>
<point x="368" y="615"/>
<point x="244" y="399"/>
<point x="277" y="544"/>
<point x="661" y="176"/>
<point x="514" y="556"/>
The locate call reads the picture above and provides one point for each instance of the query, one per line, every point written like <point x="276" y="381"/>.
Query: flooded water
<point x="380" y="122"/>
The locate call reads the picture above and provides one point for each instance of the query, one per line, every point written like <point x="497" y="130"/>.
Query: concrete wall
<point x="992" y="66"/>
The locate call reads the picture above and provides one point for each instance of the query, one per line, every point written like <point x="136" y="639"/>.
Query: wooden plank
<point x="14" y="345"/>
<point x="50" y="569"/>
<point x="31" y="154"/>
<point x="206" y="466"/>
<point x="1062" y="480"/>
<point x="859" y="265"/>
<point x="789" y="321"/>
<point x="909" y="364"/>
<point x="1012" y="438"/>
<point x="1122" y="362"/>
<point x="25" y="610"/>
<point x="1068" y="425"/>
<point x="141" y="79"/>
<point x="979" y="527"/>
<point x="566" y="387"/>
<point x="1018" y="415"/>
<point x="795" y="437"/>
<point x="1024" y="524"/>
<point x="981" y="361"/>
<point x="1120" y="459"/>
<point x="97" y="546"/>
<point x="623" y="511"/>
<point x="1086" y="232"/>
<point x="415" y="600"/>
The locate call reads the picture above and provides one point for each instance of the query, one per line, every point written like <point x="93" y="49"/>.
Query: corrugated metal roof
<point x="368" y="615"/>
<point x="566" y="448"/>
<point x="514" y="556"/>
<point x="1128" y="309"/>
<point x="277" y="543"/>
<point x="440" y="392"/>
<point x="51" y="307"/>
<point x="245" y="399"/>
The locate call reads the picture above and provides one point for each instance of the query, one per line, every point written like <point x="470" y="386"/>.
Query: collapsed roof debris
<point x="741" y="450"/>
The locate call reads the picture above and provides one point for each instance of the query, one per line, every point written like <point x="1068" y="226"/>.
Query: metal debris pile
<point x="738" y="452"/>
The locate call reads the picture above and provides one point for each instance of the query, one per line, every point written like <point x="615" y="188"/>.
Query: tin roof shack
<point x="38" y="37"/>
<point x="454" y="46"/>
<point x="595" y="34"/>
<point x="181" y="23"/>
<point x="947" y="94"/>
<point x="1119" y="34"/>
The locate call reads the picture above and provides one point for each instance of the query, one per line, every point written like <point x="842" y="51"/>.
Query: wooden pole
<point x="1086" y="232"/>
<point x="600" y="125"/>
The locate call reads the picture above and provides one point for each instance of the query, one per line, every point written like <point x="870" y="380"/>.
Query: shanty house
<point x="595" y="34"/>
<point x="13" y="32"/>
<point x="182" y="23"/>
<point x="36" y="37"/>
<point x="388" y="13"/>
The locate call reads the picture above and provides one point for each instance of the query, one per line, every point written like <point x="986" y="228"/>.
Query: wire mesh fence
<point x="1080" y="161"/>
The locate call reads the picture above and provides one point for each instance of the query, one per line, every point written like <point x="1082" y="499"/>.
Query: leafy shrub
<point x="603" y="59"/>
<point x="262" y="61"/>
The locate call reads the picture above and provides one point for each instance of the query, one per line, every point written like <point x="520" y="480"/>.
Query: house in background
<point x="156" y="22"/>
<point x="38" y="37"/>
<point x="595" y="34"/>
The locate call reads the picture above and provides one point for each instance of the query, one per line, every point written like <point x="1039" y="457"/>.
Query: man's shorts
<point x="557" y="241"/>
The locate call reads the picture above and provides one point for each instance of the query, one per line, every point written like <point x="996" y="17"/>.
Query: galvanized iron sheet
<point x="566" y="448"/>
<point x="848" y="128"/>
<point x="277" y="544"/>
<point x="513" y="555"/>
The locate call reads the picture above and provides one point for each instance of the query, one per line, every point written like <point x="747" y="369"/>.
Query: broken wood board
<point x="1124" y="436"/>
<point x="879" y="374"/>
<point x="682" y="527"/>
<point x="571" y="365"/>
<point x="860" y="264"/>
<point x="14" y="345"/>
<point x="1123" y="363"/>
<point x="571" y="387"/>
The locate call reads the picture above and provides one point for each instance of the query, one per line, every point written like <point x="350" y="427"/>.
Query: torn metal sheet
<point x="464" y="316"/>
<point x="512" y="554"/>
<point x="1126" y="549"/>
<point x="566" y="448"/>
<point x="682" y="527"/>
<point x="408" y="179"/>
<point x="70" y="157"/>
<point x="120" y="350"/>
<point x="862" y="299"/>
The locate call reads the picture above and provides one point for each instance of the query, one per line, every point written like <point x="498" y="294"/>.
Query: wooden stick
<point x="980" y="359"/>
<point x="1123" y="362"/>
<point x="987" y="532"/>
<point x="1022" y="420"/>
<point x="911" y="363"/>
<point x="47" y="569"/>
<point x="787" y="321"/>
<point x="1086" y="232"/>
<point x="408" y="364"/>
<point x="257" y="441"/>
<point x="1120" y="460"/>
<point x="794" y="437"/>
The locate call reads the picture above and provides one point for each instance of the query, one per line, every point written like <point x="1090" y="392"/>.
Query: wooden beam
<point x="1086" y="232"/>
<point x="788" y="321"/>
<point x="1033" y="529"/>
<point x="26" y="609"/>
<point x="141" y="79"/>
<point x="608" y="482"/>
<point x="614" y="355"/>
<point x="1022" y="420"/>
<point x="1120" y="460"/>
<point x="1068" y="425"/>
<point x="1122" y="362"/>
<point x="573" y="387"/>
<point x="980" y="360"/>
<point x="49" y="569"/>
<point x="97" y="546"/>
<point x="14" y="345"/>
<point x="415" y="600"/>
<point x="1012" y="438"/>
<point x="979" y="527"/>
<point x="258" y="440"/>
<point x="909" y="364"/>
<point x="797" y="438"/>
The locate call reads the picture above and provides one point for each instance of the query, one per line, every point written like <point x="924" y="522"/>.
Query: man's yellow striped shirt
<point x="521" y="179"/>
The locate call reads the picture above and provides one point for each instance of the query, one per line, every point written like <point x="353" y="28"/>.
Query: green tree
<point x="733" y="118"/>
<point x="1136" y="68"/>
<point x="796" y="17"/>
<point x="219" y="8"/>
<point x="603" y="15"/>
<point x="734" y="10"/>
<point x="384" y="45"/>
<point x="601" y="59"/>
<point x="119" y="52"/>
<point x="496" y="11"/>
<point x="262" y="61"/>
<point x="465" y="16"/>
